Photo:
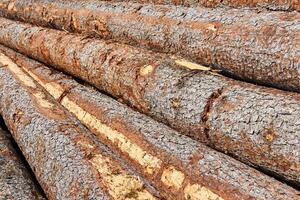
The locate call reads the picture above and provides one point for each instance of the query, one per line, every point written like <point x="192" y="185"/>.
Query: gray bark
<point x="200" y="164"/>
<point x="275" y="5"/>
<point x="252" y="45"/>
<point x="15" y="180"/>
<point x="62" y="153"/>
<point x="196" y="103"/>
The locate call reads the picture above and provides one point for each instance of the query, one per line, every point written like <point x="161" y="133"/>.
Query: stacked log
<point x="67" y="161"/>
<point x="276" y="5"/>
<point x="256" y="46"/>
<point x="16" y="181"/>
<point x="254" y="124"/>
<point x="174" y="163"/>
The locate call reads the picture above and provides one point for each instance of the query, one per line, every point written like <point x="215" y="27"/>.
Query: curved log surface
<point x="67" y="161"/>
<point x="257" y="125"/>
<point x="15" y="179"/>
<point x="175" y="162"/>
<point x="275" y="5"/>
<point x="256" y="46"/>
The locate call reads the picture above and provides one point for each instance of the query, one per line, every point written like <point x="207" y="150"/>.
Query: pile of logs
<point x="15" y="180"/>
<point x="187" y="100"/>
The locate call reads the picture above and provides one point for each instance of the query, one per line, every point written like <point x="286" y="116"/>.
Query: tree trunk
<point x="257" y="125"/>
<point x="256" y="46"/>
<point x="15" y="180"/>
<point x="275" y="5"/>
<point x="193" y="164"/>
<point x="68" y="163"/>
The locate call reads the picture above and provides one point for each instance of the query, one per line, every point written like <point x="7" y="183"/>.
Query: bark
<point x="257" y="125"/>
<point x="15" y="179"/>
<point x="288" y="5"/>
<point x="67" y="161"/>
<point x="212" y="173"/>
<point x="256" y="46"/>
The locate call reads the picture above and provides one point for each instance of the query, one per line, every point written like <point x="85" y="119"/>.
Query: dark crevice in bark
<point x="23" y="159"/>
<point x="215" y="95"/>
<point x="205" y="115"/>
<point x="78" y="80"/>
<point x="253" y="82"/>
<point x="279" y="178"/>
<point x="274" y="175"/>
<point x="2" y="124"/>
<point x="65" y="93"/>
<point x="268" y="8"/>
<point x="82" y="82"/>
<point x="27" y="166"/>
<point x="138" y="9"/>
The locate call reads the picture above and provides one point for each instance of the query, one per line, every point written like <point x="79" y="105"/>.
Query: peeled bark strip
<point x="177" y="163"/>
<point x="68" y="163"/>
<point x="15" y="181"/>
<point x="261" y="47"/>
<point x="257" y="125"/>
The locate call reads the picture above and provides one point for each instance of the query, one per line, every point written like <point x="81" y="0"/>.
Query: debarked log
<point x="67" y="161"/>
<point x="173" y="162"/>
<point x="16" y="181"/>
<point x="257" y="125"/>
<point x="256" y="46"/>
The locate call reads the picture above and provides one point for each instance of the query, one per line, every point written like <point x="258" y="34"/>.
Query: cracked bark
<point x="274" y="5"/>
<point x="252" y="45"/>
<point x="207" y="109"/>
<point x="15" y="180"/>
<point x="199" y="164"/>
<point x="67" y="161"/>
<point x="157" y="86"/>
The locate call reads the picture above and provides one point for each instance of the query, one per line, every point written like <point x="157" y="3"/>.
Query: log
<point x="257" y="125"/>
<point x="275" y="5"/>
<point x="16" y="181"/>
<point x="67" y="161"/>
<point x="255" y="46"/>
<point x="199" y="172"/>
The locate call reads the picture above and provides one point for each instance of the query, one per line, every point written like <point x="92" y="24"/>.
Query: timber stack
<point x="150" y="99"/>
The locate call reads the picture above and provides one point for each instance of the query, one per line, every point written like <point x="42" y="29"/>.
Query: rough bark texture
<point x="257" y="46"/>
<point x="67" y="161"/>
<point x="15" y="181"/>
<point x="286" y="5"/>
<point x="260" y="125"/>
<point x="166" y="154"/>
